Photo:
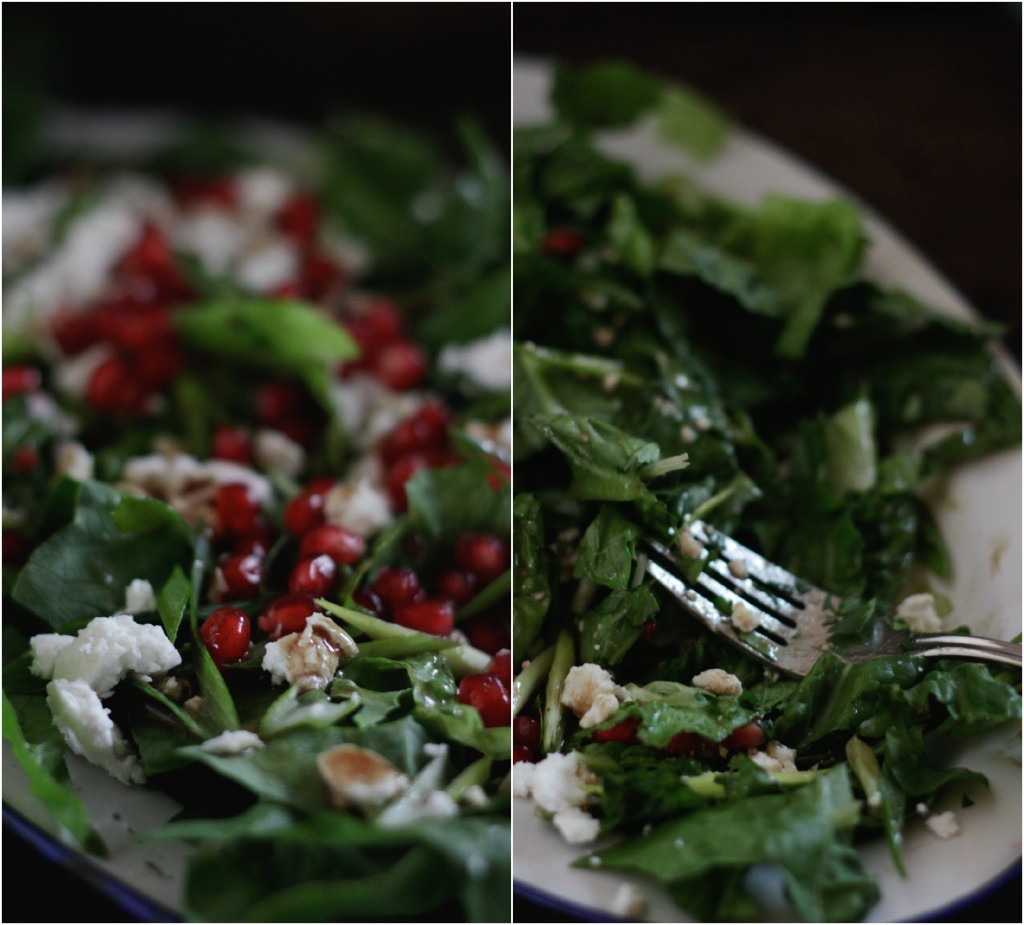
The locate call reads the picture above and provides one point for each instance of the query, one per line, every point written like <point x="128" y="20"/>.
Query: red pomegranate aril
<point x="501" y="666"/>
<point x="488" y="696"/>
<point x="649" y="626"/>
<point x="151" y="258"/>
<point x="526" y="732"/>
<point x="231" y="443"/>
<point x="428" y="616"/>
<point x="401" y="365"/>
<point x="256" y="540"/>
<point x="400" y="473"/>
<point x="136" y="326"/>
<point x="486" y="633"/>
<point x="483" y="555"/>
<point x="749" y="736"/>
<point x="500" y="474"/>
<point x="238" y="577"/>
<point x="304" y="512"/>
<point x="316" y="577"/>
<point x="385" y="321"/>
<point x="286" y="614"/>
<point x="370" y="601"/>
<point x="562" y="242"/>
<point x="396" y="586"/>
<point x="620" y="732"/>
<point x="320" y="275"/>
<point x="216" y="192"/>
<point x="24" y="459"/>
<point x="427" y="428"/>
<point x="691" y="745"/>
<point x="299" y="218"/>
<point x="523" y="753"/>
<point x="456" y="585"/>
<point x="343" y="546"/>
<point x="75" y="331"/>
<point x="227" y="633"/>
<point x="115" y="387"/>
<point x="20" y="380"/>
<point x="158" y="368"/>
<point x="277" y="402"/>
<point x="237" y="510"/>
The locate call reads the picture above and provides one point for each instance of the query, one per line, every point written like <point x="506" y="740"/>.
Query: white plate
<point x="978" y="511"/>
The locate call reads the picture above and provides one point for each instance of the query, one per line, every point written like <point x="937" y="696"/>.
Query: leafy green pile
<point x="269" y="845"/>
<point x="686" y="357"/>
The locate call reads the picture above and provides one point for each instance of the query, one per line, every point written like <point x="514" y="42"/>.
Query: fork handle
<point x="938" y="645"/>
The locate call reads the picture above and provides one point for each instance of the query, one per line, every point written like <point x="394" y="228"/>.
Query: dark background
<point x="914" y="108"/>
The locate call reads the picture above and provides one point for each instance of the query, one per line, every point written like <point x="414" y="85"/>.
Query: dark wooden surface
<point x="914" y="108"/>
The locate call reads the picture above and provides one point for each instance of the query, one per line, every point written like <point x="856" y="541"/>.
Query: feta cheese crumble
<point x="309" y="658"/>
<point x="945" y="825"/>
<point x="486" y="361"/>
<point x="628" y="903"/>
<point x="918" y="612"/>
<point x="717" y="681"/>
<point x="745" y="618"/>
<point x="556" y="785"/>
<point x="592" y="694"/>
<point x="232" y="742"/>
<point x="139" y="596"/>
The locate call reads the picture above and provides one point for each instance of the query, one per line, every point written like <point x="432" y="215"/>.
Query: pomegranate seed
<point x="400" y="366"/>
<point x="400" y="473"/>
<point x="501" y="666"/>
<point x="620" y="732"/>
<point x="649" y="626"/>
<point x="430" y="616"/>
<point x="427" y="428"/>
<point x="526" y="733"/>
<point x="238" y="577"/>
<point x="749" y="736"/>
<point x="286" y="614"/>
<point x="305" y="511"/>
<point x="368" y="600"/>
<point x="456" y="585"/>
<point x="384" y="322"/>
<point x="691" y="745"/>
<point x="277" y="402"/>
<point x="562" y="242"/>
<point x="158" y="368"/>
<point x="19" y="380"/>
<point x="216" y="192"/>
<point x="488" y="696"/>
<point x="231" y="443"/>
<point x="150" y="259"/>
<point x="396" y="585"/>
<point x="75" y="331"/>
<point x="522" y="753"/>
<point x="483" y="555"/>
<point x="299" y="218"/>
<point x="486" y="633"/>
<point x="115" y="387"/>
<point x="24" y="459"/>
<point x="316" y="577"/>
<point x="135" y="326"/>
<point x="256" y="540"/>
<point x="320" y="275"/>
<point x="343" y="546"/>
<point x="237" y="510"/>
<point x="226" y="633"/>
<point x="290" y="290"/>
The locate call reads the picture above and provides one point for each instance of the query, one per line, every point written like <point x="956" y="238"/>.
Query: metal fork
<point x="776" y="617"/>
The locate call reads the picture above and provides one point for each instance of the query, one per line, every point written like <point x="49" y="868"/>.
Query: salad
<point x="683" y="357"/>
<point x="256" y="450"/>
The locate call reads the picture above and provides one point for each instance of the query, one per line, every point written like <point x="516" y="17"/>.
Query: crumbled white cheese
<point x="74" y="460"/>
<point x="262" y="190"/>
<point x="104" y="652"/>
<point x="358" y="778"/>
<point x="89" y="731"/>
<point x="628" y="903"/>
<point x="357" y="506"/>
<point x="592" y="694"/>
<point x="232" y="742"/>
<point x="775" y="757"/>
<point x="487" y="361"/>
<point x="945" y="825"/>
<point x="309" y="658"/>
<point x="211" y="235"/>
<point x="918" y="611"/>
<point x="718" y="681"/>
<point x="745" y="618"/>
<point x="368" y="409"/>
<point x="139" y="596"/>
<point x="27" y="224"/>
<point x="71" y="376"/>
<point x="415" y="806"/>
<point x="689" y="546"/>
<point x="556" y="785"/>
<point x="277" y="452"/>
<point x="267" y="268"/>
